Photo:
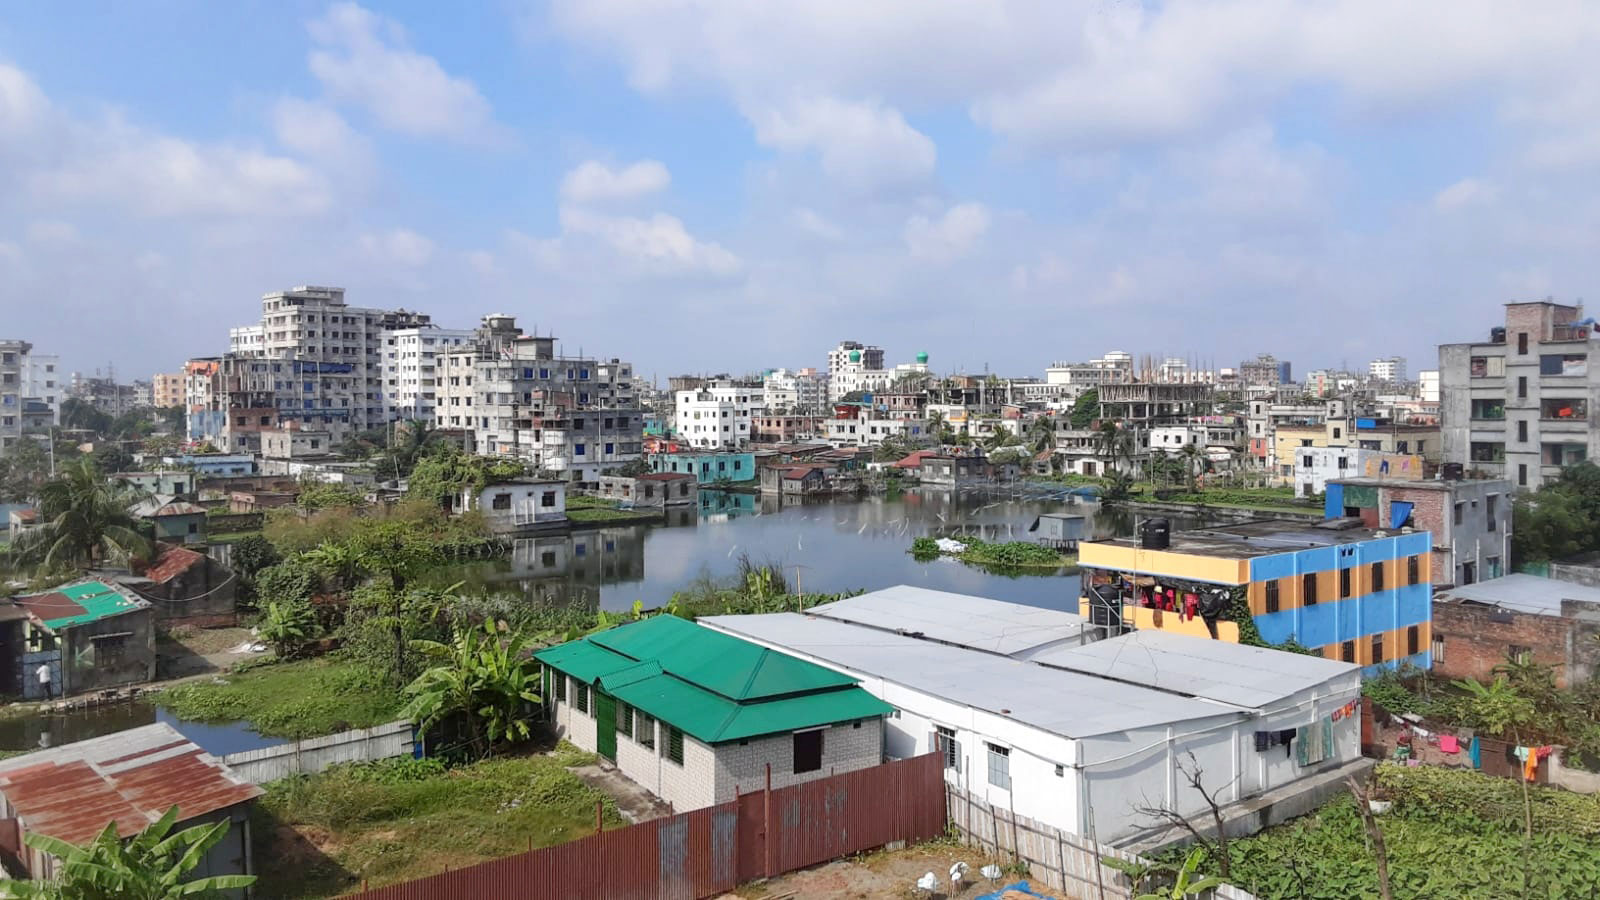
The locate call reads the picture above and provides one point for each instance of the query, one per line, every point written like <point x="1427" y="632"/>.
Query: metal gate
<point x="605" y="725"/>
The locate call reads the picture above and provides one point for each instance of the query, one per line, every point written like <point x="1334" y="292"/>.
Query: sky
<point x="725" y="185"/>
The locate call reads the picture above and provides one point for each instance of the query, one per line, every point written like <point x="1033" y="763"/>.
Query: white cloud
<point x="866" y="145"/>
<point x="659" y="244"/>
<point x="813" y="223"/>
<point x="319" y="132"/>
<point x="47" y="232"/>
<point x="399" y="246"/>
<point x="364" y="59"/>
<point x="1466" y="192"/>
<point x="481" y="261"/>
<point x="22" y="104"/>
<point x="951" y="235"/>
<point x="594" y="181"/>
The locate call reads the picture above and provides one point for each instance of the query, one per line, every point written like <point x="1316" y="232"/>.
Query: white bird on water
<point x="731" y="549"/>
<point x="862" y="528"/>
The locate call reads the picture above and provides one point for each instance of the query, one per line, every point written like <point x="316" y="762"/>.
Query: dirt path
<point x="888" y="875"/>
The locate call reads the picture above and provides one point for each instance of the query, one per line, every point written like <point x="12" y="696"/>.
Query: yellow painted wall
<point x="1125" y="558"/>
<point x="1143" y="618"/>
<point x="1286" y="439"/>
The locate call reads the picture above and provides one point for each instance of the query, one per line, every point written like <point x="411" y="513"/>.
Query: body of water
<point x="827" y="545"/>
<point x="41" y="731"/>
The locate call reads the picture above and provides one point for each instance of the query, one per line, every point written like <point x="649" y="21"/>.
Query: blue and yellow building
<point x="1355" y="594"/>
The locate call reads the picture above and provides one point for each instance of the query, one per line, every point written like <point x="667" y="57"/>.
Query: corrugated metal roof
<point x="1523" y="593"/>
<point x="1253" y="677"/>
<point x="131" y="778"/>
<point x="76" y="604"/>
<point x="994" y="626"/>
<point x="1069" y="704"/>
<point x="172" y="562"/>
<point x="708" y="684"/>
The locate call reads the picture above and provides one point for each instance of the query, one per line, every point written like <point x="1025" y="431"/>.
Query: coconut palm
<point x="85" y="520"/>
<point x="148" y="866"/>
<point x="1042" y="434"/>
<point x="483" y="675"/>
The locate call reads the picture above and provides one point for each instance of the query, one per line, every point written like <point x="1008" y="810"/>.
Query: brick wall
<point x="693" y="784"/>
<point x="1431" y="513"/>
<point x="742" y="766"/>
<point x="1475" y="642"/>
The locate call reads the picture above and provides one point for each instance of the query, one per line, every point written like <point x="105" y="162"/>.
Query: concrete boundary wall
<point x="315" y="754"/>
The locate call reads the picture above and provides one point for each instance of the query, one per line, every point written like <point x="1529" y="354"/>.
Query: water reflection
<point x="832" y="544"/>
<point x="37" y="732"/>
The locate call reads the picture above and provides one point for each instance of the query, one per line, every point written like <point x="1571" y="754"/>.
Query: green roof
<point x="711" y="685"/>
<point x="79" y="603"/>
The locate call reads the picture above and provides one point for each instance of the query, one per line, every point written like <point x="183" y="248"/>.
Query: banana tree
<point x="151" y="865"/>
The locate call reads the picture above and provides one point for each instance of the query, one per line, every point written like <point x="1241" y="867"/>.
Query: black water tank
<point x="1156" y="534"/>
<point x="1451" y="471"/>
<point x="1497" y="335"/>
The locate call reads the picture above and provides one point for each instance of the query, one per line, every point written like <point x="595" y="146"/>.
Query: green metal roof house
<point x="696" y="716"/>
<point x="90" y="634"/>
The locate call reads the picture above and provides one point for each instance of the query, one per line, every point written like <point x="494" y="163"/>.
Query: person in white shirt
<point x="43" y="674"/>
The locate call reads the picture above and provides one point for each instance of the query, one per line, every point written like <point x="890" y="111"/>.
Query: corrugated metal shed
<point x="131" y="778"/>
<point x="76" y="604"/>
<point x="1252" y="677"/>
<point x="1069" y="704"/>
<point x="1523" y="594"/>
<point x="993" y="626"/>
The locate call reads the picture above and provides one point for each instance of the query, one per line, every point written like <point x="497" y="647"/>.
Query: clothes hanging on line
<point x="1475" y="753"/>
<point x="1448" y="744"/>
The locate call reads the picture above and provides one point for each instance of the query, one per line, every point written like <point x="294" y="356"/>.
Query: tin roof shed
<point x="76" y="604"/>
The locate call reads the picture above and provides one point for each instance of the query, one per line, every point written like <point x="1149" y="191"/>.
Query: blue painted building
<point x="707" y="468"/>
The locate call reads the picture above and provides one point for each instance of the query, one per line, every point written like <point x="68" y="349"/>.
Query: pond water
<point x="38" y="732"/>
<point x="830" y="545"/>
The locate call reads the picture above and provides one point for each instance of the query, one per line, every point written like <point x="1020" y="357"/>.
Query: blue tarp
<point x="1020" y="887"/>
<point x="1399" y="512"/>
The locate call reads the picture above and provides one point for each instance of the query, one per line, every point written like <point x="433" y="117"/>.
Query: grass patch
<point x="404" y="819"/>
<point x="1006" y="557"/>
<point x="304" y="698"/>
<point x="229" y="537"/>
<point x="1451" y="833"/>
<point x="606" y="514"/>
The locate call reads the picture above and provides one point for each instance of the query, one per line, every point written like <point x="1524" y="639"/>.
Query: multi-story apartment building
<point x="576" y="416"/>
<point x="167" y="389"/>
<point x="414" y="364"/>
<point x="42" y="390"/>
<point x="1116" y="367"/>
<point x="1391" y="369"/>
<point x="1265" y="369"/>
<point x="247" y="340"/>
<point x="13" y="361"/>
<point x="718" y="414"/>
<point x="107" y="396"/>
<point x="803" y="392"/>
<point x="1517" y="405"/>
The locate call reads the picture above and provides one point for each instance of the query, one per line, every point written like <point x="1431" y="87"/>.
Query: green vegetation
<point x="400" y="820"/>
<point x="151" y="865"/>
<point x="1007" y="556"/>
<point x="588" y="508"/>
<point x="1559" y="519"/>
<point x="1450" y="833"/>
<point x="299" y="699"/>
<point x="83" y="521"/>
<point x="1086" y="409"/>
<point x="483" y="679"/>
<point x="445" y="471"/>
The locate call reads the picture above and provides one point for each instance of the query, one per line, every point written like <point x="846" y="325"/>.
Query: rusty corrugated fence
<point x="709" y="851"/>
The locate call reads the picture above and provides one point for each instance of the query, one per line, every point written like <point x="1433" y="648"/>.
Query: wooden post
<point x="1011" y="807"/>
<point x="1061" y="855"/>
<point x="766" y="824"/>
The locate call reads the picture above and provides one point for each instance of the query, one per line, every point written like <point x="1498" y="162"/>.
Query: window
<point x="1413" y="640"/>
<point x="1522" y="343"/>
<point x="1487" y="367"/>
<point x="1344" y="463"/>
<point x="1490" y="504"/>
<point x="501" y="501"/>
<point x="673" y="750"/>
<point x="1377" y="649"/>
<point x="1491" y="565"/>
<point x="1337" y="432"/>
<point x="1489" y="409"/>
<point x="580" y="696"/>
<point x="110" y="650"/>
<point x="1347" y="651"/>
<point x="1488" y="451"/>
<point x="944" y="741"/>
<point x="1522" y="474"/>
<point x="644" y="730"/>
<point x="1305" y="462"/>
<point x="624" y="719"/>
<point x="561" y="688"/>
<point x="1460" y="511"/>
<point x="1272" y="596"/>
<point x="1344" y="583"/>
<point x="1519" y="654"/>
<point x="1308" y="589"/>
<point x="999" y="766"/>
<point x="1412" y="565"/>
<point x="1522" y="387"/>
<point x="1437" y="649"/>
<point x="1522" y="431"/>
<point x="1564" y="364"/>
<point x="1563" y="454"/>
<point x="807" y="751"/>
<point x="1377" y="576"/>
<point x="547" y="499"/>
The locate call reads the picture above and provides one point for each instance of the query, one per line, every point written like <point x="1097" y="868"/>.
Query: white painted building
<point x="1390" y="368"/>
<point x="414" y="360"/>
<point x="1428" y="386"/>
<point x="802" y="392"/>
<point x="1078" y="735"/>
<point x="518" y="504"/>
<point x="718" y="413"/>
<point x="1314" y="467"/>
<point x="41" y="383"/>
<point x="867" y="432"/>
<point x="853" y="366"/>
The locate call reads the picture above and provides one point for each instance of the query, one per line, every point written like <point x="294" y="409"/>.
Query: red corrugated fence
<point x="709" y="851"/>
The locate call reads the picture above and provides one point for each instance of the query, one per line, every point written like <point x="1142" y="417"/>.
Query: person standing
<point x="43" y="674"/>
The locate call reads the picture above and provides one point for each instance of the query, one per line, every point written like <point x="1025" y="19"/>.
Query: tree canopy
<point x="1560" y="519"/>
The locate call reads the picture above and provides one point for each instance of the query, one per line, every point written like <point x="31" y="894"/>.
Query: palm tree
<point x="1042" y="434"/>
<point x="1106" y="441"/>
<point x="148" y="866"/>
<point x="85" y="520"/>
<point x="483" y="675"/>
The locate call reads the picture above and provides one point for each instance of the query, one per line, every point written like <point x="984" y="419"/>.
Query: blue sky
<point x="700" y="185"/>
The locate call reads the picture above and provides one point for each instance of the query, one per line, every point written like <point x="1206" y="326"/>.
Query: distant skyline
<point x="721" y="185"/>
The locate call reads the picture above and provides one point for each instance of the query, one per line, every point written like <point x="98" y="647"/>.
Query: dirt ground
<point x="888" y="875"/>
<point x="186" y="651"/>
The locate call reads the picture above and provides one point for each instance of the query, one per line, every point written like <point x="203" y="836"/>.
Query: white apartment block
<point x="718" y="414"/>
<point x="1314" y="467"/>
<point x="804" y="392"/>
<point x="414" y="360"/>
<point x="248" y="340"/>
<point x="854" y="366"/>
<point x="1116" y="367"/>
<point x="1391" y="369"/>
<point x="42" y="384"/>
<point x="13" y="362"/>
<point x="865" y="432"/>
